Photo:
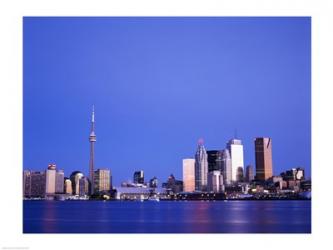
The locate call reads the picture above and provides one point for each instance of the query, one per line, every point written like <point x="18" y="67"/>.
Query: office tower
<point x="201" y="167"/>
<point x="249" y="173"/>
<point x="188" y="175"/>
<point x="84" y="186"/>
<point x="26" y="183"/>
<point x="75" y="179"/>
<point x="215" y="182"/>
<point x="38" y="184"/>
<point x="138" y="177"/>
<point x="51" y="179"/>
<point x="235" y="148"/>
<point x="92" y="140"/>
<point x="153" y="182"/>
<point x="214" y="158"/>
<point x="59" y="182"/>
<point x="226" y="166"/>
<point x="102" y="180"/>
<point x="68" y="186"/>
<point x="263" y="154"/>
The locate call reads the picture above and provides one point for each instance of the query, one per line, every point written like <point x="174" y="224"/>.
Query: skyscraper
<point x="38" y="183"/>
<point x="102" y="180"/>
<point x="249" y="173"/>
<point x="50" y="179"/>
<point x="92" y="140"/>
<point x="214" y="158"/>
<point x="263" y="153"/>
<point x="59" y="182"/>
<point x="84" y="186"/>
<point x="226" y="166"/>
<point x="215" y="181"/>
<point x="235" y="148"/>
<point x="68" y="186"/>
<point x="188" y="175"/>
<point x="26" y="183"/>
<point x="75" y="179"/>
<point x="201" y="167"/>
<point x="138" y="177"/>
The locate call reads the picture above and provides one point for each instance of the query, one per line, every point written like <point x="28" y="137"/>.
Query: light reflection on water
<point x="167" y="217"/>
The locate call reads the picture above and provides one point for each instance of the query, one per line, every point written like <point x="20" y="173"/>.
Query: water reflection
<point x="167" y="217"/>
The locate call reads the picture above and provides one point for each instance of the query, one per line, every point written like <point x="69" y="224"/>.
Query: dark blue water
<point x="167" y="217"/>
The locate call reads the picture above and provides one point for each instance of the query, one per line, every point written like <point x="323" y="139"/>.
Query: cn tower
<point x="92" y="140"/>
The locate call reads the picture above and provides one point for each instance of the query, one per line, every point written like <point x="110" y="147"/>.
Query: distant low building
<point x="173" y="185"/>
<point x="294" y="174"/>
<point x="153" y="183"/>
<point x="138" y="177"/>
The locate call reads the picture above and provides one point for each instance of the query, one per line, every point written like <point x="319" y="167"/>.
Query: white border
<point x="11" y="13"/>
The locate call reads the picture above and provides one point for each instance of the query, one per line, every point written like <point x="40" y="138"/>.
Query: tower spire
<point x="92" y="140"/>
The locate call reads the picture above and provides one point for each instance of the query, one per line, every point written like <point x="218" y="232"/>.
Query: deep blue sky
<point x="158" y="85"/>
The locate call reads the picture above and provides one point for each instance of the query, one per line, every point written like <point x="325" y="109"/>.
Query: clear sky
<point x="160" y="84"/>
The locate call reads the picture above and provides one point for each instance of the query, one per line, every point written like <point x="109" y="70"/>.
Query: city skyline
<point x="147" y="121"/>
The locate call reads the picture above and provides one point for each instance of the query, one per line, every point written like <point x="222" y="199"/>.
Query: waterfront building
<point x="92" y="140"/>
<point x="102" y="179"/>
<point x="75" y="179"/>
<point x="214" y="158"/>
<point x="235" y="148"/>
<point x="38" y="183"/>
<point x="188" y="175"/>
<point x="215" y="181"/>
<point x="84" y="186"/>
<point x="201" y="167"/>
<point x="68" y="186"/>
<point x="226" y="167"/>
<point x="26" y="183"/>
<point x="153" y="183"/>
<point x="59" y="182"/>
<point x="138" y="177"/>
<point x="263" y="155"/>
<point x="139" y="193"/>
<point x="50" y="179"/>
<point x="249" y="173"/>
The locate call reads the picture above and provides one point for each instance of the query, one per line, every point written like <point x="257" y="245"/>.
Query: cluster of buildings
<point x="210" y="174"/>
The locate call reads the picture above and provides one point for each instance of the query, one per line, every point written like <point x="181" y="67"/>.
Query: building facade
<point x="214" y="158"/>
<point x="51" y="179"/>
<point x="84" y="187"/>
<point x="38" y="184"/>
<point x="226" y="166"/>
<point x="249" y="173"/>
<point x="75" y="179"/>
<point x="68" y="186"/>
<point x="215" y="182"/>
<point x="138" y="177"/>
<point x="188" y="175"/>
<point x="263" y="156"/>
<point x="201" y="167"/>
<point x="26" y="183"/>
<point x="59" y="182"/>
<point x="235" y="148"/>
<point x="153" y="183"/>
<point x="102" y="179"/>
